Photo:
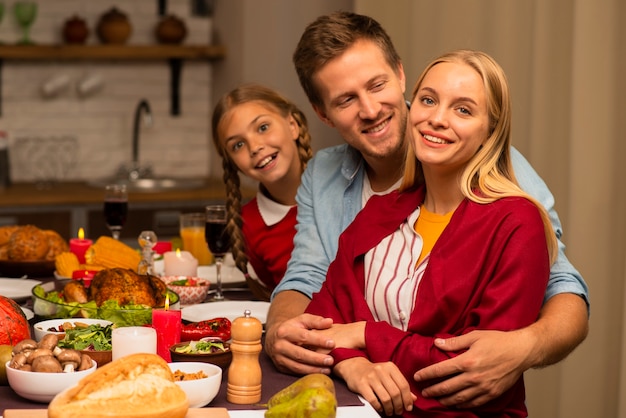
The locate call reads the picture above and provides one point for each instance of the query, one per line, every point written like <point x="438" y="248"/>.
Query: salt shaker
<point x="244" y="373"/>
<point x="147" y="240"/>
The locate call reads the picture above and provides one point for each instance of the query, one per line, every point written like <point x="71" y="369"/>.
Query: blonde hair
<point x="489" y="175"/>
<point x="275" y="101"/>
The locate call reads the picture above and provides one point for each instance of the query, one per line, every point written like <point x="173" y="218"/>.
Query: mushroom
<point x="49" y="341"/>
<point x="69" y="359"/>
<point x="85" y="362"/>
<point x="24" y="345"/>
<point x="47" y="364"/>
<point x="19" y="361"/>
<point x="38" y="352"/>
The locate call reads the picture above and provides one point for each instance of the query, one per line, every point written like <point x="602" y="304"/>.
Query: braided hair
<point x="272" y="99"/>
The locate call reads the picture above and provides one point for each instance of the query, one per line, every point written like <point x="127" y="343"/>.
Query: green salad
<point x="121" y="316"/>
<point x="94" y="337"/>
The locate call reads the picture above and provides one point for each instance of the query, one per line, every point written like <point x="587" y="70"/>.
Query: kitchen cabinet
<point x="173" y="54"/>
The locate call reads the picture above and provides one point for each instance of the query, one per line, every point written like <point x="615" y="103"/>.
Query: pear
<point x="315" y="380"/>
<point x="315" y="402"/>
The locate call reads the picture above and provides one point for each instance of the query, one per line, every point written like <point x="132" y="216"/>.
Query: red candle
<point x="168" y="325"/>
<point x="80" y="245"/>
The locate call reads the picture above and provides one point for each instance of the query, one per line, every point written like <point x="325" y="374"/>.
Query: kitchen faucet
<point x="136" y="171"/>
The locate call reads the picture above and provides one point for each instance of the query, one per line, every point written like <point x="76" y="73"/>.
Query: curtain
<point x="563" y="60"/>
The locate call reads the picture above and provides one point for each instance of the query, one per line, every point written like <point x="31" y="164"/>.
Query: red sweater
<point x="268" y="247"/>
<point x="488" y="270"/>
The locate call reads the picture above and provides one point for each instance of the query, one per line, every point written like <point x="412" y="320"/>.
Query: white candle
<point x="130" y="340"/>
<point x="180" y="263"/>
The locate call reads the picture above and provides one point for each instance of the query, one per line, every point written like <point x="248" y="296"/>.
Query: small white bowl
<point x="200" y="392"/>
<point x="189" y="295"/>
<point x="43" y="387"/>
<point x="41" y="328"/>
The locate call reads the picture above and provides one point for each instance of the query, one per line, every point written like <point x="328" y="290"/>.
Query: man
<point x="355" y="82"/>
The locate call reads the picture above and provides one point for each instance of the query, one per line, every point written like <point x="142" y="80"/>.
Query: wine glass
<point x="218" y="241"/>
<point x="25" y="14"/>
<point x="115" y="208"/>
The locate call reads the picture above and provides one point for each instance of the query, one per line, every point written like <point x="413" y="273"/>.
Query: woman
<point x="264" y="136"/>
<point x="459" y="247"/>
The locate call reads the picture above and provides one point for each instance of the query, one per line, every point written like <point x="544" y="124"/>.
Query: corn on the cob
<point x="110" y="253"/>
<point x="66" y="263"/>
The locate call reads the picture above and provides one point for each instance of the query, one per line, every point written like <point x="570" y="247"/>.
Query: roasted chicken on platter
<point x="123" y="285"/>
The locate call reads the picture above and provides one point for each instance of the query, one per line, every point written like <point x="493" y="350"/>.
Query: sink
<point x="153" y="185"/>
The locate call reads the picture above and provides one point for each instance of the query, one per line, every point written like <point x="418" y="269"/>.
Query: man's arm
<point x="288" y="334"/>
<point x="495" y="359"/>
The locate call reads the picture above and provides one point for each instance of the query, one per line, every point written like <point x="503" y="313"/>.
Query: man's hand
<point x="290" y="337"/>
<point x="493" y="363"/>
<point x="495" y="360"/>
<point x="380" y="384"/>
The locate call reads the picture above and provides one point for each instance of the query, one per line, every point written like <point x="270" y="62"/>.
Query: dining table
<point x="349" y="403"/>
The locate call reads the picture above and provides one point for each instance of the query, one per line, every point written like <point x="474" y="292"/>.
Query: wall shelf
<point x="174" y="54"/>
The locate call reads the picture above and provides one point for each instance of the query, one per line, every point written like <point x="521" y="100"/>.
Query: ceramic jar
<point x="170" y="30"/>
<point x="114" y="27"/>
<point x="75" y="30"/>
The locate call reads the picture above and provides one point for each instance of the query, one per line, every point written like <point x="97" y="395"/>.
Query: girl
<point x="264" y="136"/>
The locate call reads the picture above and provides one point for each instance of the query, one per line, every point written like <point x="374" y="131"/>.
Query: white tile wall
<point x="102" y="124"/>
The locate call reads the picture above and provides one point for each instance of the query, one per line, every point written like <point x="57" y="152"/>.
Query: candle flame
<point x="81" y="233"/>
<point x="178" y="252"/>
<point x="167" y="302"/>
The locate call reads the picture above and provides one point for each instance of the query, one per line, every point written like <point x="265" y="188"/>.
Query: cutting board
<point x="192" y="413"/>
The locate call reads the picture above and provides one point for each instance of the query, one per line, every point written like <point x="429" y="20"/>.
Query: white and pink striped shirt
<point x="391" y="278"/>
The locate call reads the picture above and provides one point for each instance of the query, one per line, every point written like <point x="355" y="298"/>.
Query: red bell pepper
<point x="216" y="327"/>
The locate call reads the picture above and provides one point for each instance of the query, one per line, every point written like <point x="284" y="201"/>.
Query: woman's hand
<point x="344" y="335"/>
<point x="380" y="384"/>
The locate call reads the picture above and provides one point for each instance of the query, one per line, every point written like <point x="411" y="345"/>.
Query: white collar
<point x="272" y="212"/>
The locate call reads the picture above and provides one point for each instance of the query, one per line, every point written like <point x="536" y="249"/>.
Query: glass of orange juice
<point x="192" y="234"/>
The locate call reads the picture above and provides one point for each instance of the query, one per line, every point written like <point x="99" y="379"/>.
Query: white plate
<point x="230" y="309"/>
<point x="230" y="274"/>
<point x="29" y="314"/>
<point x="17" y="288"/>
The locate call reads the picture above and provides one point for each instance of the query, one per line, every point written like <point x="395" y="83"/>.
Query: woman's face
<point x="449" y="120"/>
<point x="260" y="141"/>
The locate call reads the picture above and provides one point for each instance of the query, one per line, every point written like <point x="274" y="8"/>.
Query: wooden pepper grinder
<point x="244" y="373"/>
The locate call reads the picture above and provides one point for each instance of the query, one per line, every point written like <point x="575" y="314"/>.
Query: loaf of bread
<point x="135" y="386"/>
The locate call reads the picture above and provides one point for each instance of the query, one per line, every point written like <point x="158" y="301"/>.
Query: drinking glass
<point x="115" y="208"/>
<point x="191" y="228"/>
<point x="218" y="241"/>
<point x="25" y="14"/>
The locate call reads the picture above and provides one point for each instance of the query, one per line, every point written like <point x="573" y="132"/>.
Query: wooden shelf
<point x="111" y="52"/>
<point x="174" y="54"/>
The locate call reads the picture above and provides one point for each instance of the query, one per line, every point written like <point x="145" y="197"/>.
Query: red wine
<point x="217" y="238"/>
<point x="115" y="212"/>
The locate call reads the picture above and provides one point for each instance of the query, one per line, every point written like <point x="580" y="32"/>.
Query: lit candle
<point x="130" y="340"/>
<point x="80" y="245"/>
<point x="168" y="326"/>
<point x="180" y="263"/>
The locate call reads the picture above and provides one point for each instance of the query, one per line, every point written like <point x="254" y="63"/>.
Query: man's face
<point x="364" y="100"/>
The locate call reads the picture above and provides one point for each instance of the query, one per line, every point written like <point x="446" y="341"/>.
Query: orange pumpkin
<point x="14" y="326"/>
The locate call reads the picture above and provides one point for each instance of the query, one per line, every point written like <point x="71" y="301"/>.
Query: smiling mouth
<point x="379" y="127"/>
<point x="434" y="139"/>
<point x="266" y="161"/>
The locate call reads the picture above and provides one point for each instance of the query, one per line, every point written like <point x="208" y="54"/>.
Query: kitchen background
<point x="565" y="62"/>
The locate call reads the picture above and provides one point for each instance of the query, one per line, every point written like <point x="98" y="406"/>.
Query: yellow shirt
<point x="430" y="226"/>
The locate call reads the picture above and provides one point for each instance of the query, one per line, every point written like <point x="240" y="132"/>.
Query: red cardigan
<point x="488" y="270"/>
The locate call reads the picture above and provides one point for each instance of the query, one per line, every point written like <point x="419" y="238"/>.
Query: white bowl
<point x="43" y="387"/>
<point x="200" y="392"/>
<point x="41" y="328"/>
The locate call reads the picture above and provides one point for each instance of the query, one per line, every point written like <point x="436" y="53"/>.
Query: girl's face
<point x="449" y="120"/>
<point x="261" y="142"/>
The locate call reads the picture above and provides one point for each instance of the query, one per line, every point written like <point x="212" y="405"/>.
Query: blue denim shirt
<point x="329" y="198"/>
